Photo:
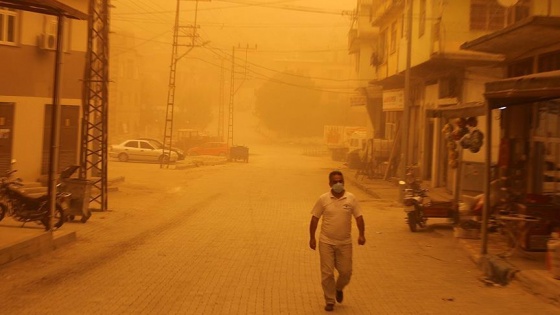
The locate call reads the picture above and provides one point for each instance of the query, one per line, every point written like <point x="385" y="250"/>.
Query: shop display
<point x="462" y="133"/>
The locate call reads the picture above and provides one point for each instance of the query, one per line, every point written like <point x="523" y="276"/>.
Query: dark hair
<point x="331" y="174"/>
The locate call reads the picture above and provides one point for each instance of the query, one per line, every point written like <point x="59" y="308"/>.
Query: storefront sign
<point x="393" y="100"/>
<point x="358" y="100"/>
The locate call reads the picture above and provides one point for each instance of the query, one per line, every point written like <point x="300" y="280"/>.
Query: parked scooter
<point x="419" y="207"/>
<point x="414" y="208"/>
<point x="26" y="208"/>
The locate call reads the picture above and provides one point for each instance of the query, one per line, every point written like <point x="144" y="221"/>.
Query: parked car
<point x="210" y="148"/>
<point x="180" y="153"/>
<point x="141" y="150"/>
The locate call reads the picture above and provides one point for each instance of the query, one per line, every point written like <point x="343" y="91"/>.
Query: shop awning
<point x="534" y="31"/>
<point x="522" y="90"/>
<point x="440" y="65"/>
<point x="471" y="109"/>
<point x="50" y="7"/>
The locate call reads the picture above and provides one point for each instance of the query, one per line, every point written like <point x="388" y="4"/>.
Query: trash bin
<point x="79" y="201"/>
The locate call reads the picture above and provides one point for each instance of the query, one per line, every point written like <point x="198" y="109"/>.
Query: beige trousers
<point x="333" y="257"/>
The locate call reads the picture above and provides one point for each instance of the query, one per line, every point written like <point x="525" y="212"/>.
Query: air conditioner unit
<point x="47" y="41"/>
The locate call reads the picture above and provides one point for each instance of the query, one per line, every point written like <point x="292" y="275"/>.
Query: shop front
<point x="527" y="108"/>
<point x="529" y="151"/>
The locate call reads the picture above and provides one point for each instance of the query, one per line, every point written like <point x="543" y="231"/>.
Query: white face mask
<point x="338" y="188"/>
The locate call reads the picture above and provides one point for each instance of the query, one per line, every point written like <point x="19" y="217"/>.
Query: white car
<point x="141" y="150"/>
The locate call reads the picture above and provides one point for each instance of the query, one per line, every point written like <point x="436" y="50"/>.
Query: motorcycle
<point x="419" y="208"/>
<point x="26" y="208"/>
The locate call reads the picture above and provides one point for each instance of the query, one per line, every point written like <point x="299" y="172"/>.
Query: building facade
<point x="446" y="82"/>
<point x="28" y="43"/>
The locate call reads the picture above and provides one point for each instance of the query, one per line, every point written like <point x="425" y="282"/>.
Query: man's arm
<point x="312" y="229"/>
<point x="362" y="229"/>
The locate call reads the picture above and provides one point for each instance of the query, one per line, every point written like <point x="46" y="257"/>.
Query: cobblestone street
<point x="233" y="239"/>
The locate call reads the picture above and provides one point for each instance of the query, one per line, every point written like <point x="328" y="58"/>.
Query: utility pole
<point x="233" y="90"/>
<point x="175" y="57"/>
<point x="407" y="95"/>
<point x="221" y="104"/>
<point x="93" y="150"/>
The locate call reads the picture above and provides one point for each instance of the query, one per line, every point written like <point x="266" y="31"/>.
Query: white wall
<point x="32" y="25"/>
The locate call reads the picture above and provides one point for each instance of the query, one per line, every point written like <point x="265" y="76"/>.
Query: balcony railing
<point x="386" y="10"/>
<point x="358" y="36"/>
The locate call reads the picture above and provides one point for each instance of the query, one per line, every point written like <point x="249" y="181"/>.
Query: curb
<point x="35" y="245"/>
<point x="61" y="238"/>
<point x="540" y="282"/>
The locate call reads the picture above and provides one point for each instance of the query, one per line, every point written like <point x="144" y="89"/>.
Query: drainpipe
<point x="55" y="122"/>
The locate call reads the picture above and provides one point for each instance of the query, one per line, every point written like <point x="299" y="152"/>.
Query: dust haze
<point x="292" y="72"/>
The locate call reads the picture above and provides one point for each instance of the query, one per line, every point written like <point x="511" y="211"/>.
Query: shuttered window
<point x="489" y="15"/>
<point x="8" y="20"/>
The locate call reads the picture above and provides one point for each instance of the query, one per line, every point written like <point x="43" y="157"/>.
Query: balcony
<point x="386" y="11"/>
<point x="358" y="37"/>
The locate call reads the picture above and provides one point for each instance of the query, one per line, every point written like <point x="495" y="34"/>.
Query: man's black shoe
<point x="329" y="307"/>
<point x="339" y="296"/>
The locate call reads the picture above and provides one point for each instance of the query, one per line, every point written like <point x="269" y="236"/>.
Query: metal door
<point x="6" y="136"/>
<point x="69" y="135"/>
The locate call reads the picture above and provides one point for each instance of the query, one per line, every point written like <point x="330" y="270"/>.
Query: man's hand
<point x="361" y="240"/>
<point x="312" y="229"/>
<point x="361" y="228"/>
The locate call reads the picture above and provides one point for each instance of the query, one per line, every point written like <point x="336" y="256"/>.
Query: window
<point x="357" y="61"/>
<point x="393" y="43"/>
<point x="8" y="19"/>
<point x="519" y="12"/>
<point x="486" y="15"/>
<point x="489" y="15"/>
<point x="521" y="67"/>
<point x="145" y="145"/>
<point x="549" y="61"/>
<point x="391" y="122"/>
<point x="546" y="140"/>
<point x="449" y="87"/>
<point x="422" y="26"/>
<point x="131" y="144"/>
<point x="382" y="47"/>
<point x="403" y="19"/>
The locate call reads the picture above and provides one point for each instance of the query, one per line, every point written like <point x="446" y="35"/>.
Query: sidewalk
<point x="20" y="241"/>
<point x="528" y="269"/>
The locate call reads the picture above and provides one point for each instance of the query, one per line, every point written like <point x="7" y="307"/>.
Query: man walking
<point x="335" y="241"/>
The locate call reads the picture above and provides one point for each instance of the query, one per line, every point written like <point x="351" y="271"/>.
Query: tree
<point x="289" y="104"/>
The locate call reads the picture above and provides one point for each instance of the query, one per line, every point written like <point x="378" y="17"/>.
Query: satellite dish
<point x="507" y="3"/>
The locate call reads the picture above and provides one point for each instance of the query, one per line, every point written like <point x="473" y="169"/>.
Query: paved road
<point x="232" y="239"/>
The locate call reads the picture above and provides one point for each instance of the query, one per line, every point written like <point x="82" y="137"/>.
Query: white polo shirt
<point x="337" y="216"/>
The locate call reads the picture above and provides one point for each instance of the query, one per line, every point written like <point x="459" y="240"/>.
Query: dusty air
<point x="279" y="156"/>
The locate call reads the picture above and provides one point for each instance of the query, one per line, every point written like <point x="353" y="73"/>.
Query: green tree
<point x="289" y="105"/>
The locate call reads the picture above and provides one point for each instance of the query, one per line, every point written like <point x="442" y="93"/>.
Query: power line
<point x="241" y="4"/>
<point x="264" y="77"/>
<point x="298" y="75"/>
